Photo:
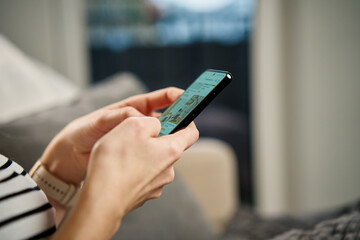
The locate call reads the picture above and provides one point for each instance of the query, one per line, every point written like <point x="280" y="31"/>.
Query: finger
<point x="148" y="103"/>
<point x="166" y="177"/>
<point x="143" y="126"/>
<point x="156" y="114"/>
<point x="138" y="205"/>
<point x="155" y="193"/>
<point x="108" y="119"/>
<point x="182" y="139"/>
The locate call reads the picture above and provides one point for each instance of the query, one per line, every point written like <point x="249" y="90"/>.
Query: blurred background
<point x="292" y="111"/>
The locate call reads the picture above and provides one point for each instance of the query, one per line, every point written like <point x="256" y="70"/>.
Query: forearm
<point x="92" y="214"/>
<point x="92" y="217"/>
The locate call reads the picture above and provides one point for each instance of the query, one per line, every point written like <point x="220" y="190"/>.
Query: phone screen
<point x="188" y="101"/>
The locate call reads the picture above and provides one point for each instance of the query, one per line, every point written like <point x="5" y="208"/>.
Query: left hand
<point x="67" y="155"/>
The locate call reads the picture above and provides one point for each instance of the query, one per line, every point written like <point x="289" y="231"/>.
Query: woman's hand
<point x="67" y="155"/>
<point x="135" y="163"/>
<point x="128" y="166"/>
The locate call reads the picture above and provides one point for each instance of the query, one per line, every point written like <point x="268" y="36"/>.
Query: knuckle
<point x="134" y="122"/>
<point x="194" y="131"/>
<point x="137" y="125"/>
<point x="170" y="176"/>
<point x="129" y="112"/>
<point x="174" y="151"/>
<point x="156" y="194"/>
<point x="100" y="148"/>
<point x="100" y="121"/>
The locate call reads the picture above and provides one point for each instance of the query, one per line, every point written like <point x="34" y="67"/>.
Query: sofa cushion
<point x="28" y="85"/>
<point x="176" y="215"/>
<point x="339" y="223"/>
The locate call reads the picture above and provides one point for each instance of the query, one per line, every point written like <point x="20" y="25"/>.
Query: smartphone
<point x="195" y="98"/>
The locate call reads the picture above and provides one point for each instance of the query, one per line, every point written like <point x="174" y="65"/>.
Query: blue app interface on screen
<point x="181" y="108"/>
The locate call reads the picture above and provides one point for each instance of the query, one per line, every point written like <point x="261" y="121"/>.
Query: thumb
<point x="184" y="138"/>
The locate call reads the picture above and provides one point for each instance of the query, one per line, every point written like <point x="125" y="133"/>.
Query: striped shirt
<point x="25" y="212"/>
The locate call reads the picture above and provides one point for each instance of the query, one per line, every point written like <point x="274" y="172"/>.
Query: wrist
<point x="55" y="188"/>
<point x="58" y="159"/>
<point x="92" y="216"/>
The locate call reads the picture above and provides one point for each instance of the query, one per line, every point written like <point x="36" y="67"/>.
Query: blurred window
<point x="122" y="24"/>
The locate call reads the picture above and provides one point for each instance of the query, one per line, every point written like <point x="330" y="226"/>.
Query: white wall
<point x="306" y="96"/>
<point x="50" y="31"/>
<point x="268" y="109"/>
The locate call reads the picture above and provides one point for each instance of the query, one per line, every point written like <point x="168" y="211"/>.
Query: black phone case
<point x="189" y="118"/>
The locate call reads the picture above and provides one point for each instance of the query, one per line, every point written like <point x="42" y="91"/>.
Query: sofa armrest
<point x="209" y="170"/>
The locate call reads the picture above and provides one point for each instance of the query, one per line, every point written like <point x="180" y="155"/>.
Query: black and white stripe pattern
<point x="25" y="212"/>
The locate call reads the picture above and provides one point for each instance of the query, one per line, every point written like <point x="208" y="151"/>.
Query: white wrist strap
<point x="62" y="192"/>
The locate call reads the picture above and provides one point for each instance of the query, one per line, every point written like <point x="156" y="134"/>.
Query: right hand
<point x="130" y="165"/>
